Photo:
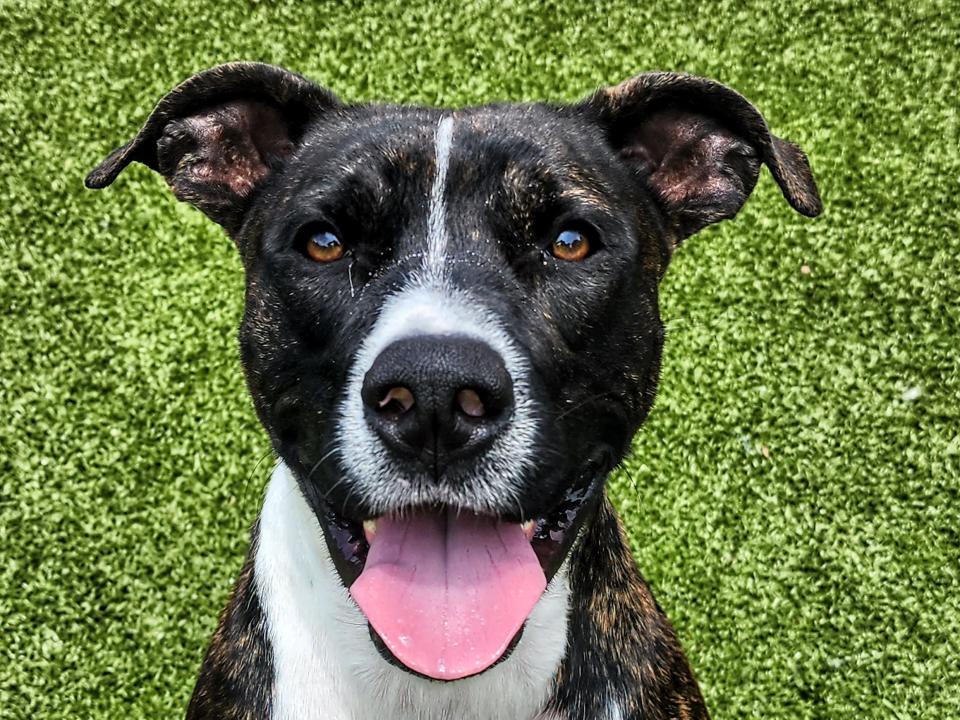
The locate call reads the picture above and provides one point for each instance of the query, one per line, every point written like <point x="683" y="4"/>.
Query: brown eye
<point x="571" y="245"/>
<point x="324" y="246"/>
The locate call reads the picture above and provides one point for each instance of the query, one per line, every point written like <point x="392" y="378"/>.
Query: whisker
<point x="333" y="487"/>
<point x="579" y="405"/>
<point x="516" y="499"/>
<point x="343" y="509"/>
<point x="320" y="462"/>
<point x="243" y="494"/>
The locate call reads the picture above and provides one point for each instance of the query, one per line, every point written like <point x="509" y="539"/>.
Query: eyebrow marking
<point x="437" y="217"/>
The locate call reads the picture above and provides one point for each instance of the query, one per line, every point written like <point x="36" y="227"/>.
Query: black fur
<point x="636" y="168"/>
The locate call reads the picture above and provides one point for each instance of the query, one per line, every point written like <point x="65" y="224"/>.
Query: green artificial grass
<point x="793" y="498"/>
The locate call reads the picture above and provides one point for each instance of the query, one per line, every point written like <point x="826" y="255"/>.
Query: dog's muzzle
<point x="439" y="439"/>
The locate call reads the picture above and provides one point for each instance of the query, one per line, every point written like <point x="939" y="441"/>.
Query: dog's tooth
<point x="369" y="529"/>
<point x="529" y="527"/>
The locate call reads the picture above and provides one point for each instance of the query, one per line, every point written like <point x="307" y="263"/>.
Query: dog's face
<point x="451" y="329"/>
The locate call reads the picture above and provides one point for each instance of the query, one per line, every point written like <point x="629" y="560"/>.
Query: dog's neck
<point x="324" y="663"/>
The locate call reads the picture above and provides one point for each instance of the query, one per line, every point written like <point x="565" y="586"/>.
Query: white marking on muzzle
<point x="496" y="479"/>
<point x="437" y="217"/>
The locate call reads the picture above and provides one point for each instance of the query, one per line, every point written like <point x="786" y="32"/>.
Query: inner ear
<point x="699" y="171"/>
<point x="218" y="135"/>
<point x="698" y="146"/>
<point x="220" y="154"/>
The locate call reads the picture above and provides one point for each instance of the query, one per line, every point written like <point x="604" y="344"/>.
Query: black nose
<point x="438" y="398"/>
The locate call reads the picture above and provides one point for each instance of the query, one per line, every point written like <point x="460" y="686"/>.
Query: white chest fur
<point x="324" y="663"/>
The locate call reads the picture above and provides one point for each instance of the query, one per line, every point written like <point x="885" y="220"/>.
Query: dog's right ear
<point x="217" y="136"/>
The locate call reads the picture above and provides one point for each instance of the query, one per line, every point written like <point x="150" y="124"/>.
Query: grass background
<point x="794" y="496"/>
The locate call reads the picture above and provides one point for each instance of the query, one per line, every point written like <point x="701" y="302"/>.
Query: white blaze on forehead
<point x="430" y="304"/>
<point x="437" y="218"/>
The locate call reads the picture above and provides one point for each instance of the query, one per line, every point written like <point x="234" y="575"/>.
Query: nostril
<point x="470" y="403"/>
<point x="396" y="401"/>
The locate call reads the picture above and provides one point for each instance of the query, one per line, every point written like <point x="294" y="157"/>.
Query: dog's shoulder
<point x="235" y="680"/>
<point x="642" y="671"/>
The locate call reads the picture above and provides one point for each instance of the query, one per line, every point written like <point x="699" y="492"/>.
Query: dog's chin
<point x="540" y="551"/>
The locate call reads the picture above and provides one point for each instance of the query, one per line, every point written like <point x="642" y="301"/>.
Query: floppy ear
<point x="219" y="134"/>
<point x="698" y="146"/>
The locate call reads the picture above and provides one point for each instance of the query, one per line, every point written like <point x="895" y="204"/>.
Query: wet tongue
<point x="447" y="593"/>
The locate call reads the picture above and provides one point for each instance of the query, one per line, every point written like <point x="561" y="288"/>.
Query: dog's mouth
<point x="446" y="593"/>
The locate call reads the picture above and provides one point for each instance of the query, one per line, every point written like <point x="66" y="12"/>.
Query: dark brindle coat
<point x="633" y="170"/>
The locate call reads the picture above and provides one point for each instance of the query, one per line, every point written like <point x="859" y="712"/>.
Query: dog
<point x="451" y="334"/>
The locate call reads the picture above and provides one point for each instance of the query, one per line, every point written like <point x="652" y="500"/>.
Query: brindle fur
<point x="622" y="648"/>
<point x="237" y="673"/>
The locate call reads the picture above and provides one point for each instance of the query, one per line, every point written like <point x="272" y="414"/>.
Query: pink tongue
<point x="446" y="593"/>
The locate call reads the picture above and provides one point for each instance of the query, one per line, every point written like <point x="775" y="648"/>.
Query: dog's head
<point x="451" y="329"/>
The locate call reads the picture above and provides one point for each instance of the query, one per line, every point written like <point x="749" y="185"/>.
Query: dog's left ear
<point x="219" y="134"/>
<point x="698" y="146"/>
